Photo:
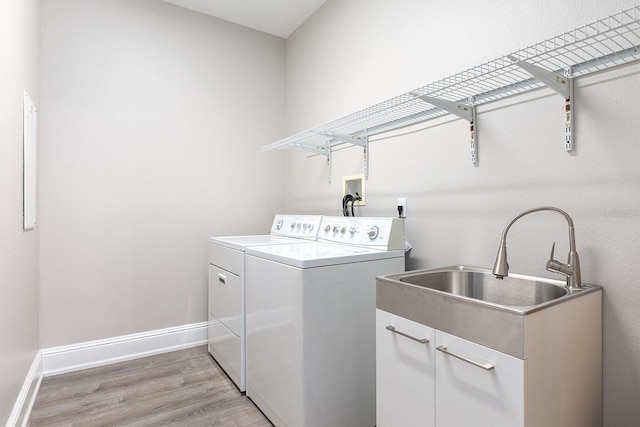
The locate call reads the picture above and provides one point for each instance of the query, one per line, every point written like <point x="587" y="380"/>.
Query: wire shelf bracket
<point x="555" y="63"/>
<point x="329" y="160"/>
<point x="464" y="111"/>
<point x="334" y="139"/>
<point x="562" y="84"/>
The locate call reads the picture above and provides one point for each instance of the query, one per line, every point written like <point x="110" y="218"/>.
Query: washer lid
<point x="313" y="254"/>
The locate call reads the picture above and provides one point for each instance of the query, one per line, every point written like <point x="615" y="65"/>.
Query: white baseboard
<point x="59" y="360"/>
<point x="22" y="408"/>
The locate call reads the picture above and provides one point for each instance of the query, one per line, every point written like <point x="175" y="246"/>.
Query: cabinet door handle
<point x="485" y="366"/>
<point x="395" y="331"/>
<point x="222" y="278"/>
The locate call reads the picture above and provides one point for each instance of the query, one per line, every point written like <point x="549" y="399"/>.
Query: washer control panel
<point x="379" y="233"/>
<point x="300" y="226"/>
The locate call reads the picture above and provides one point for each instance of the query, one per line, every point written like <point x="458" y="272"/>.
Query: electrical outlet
<point x="402" y="207"/>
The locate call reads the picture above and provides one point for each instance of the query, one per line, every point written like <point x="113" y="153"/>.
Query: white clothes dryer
<point x="311" y="322"/>
<point x="226" y="331"/>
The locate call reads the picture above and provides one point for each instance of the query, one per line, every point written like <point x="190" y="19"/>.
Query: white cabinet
<point x="476" y="385"/>
<point x="405" y="372"/>
<point x="454" y="382"/>
<point x="426" y="378"/>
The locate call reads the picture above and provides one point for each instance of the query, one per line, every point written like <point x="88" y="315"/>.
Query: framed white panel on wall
<point x="30" y="163"/>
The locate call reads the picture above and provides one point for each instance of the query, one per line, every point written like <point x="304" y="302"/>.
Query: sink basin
<point x="515" y="291"/>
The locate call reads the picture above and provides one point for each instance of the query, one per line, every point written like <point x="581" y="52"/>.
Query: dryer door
<point x="224" y="298"/>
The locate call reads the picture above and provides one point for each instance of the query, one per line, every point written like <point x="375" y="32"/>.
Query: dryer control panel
<point x="380" y="233"/>
<point x="299" y="226"/>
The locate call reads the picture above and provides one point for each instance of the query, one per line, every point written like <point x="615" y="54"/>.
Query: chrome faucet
<point x="571" y="270"/>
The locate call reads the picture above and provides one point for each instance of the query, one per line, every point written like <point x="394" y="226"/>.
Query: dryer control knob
<point x="372" y="232"/>
<point x="327" y="228"/>
<point x="279" y="224"/>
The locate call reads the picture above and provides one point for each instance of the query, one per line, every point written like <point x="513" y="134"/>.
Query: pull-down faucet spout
<point x="571" y="269"/>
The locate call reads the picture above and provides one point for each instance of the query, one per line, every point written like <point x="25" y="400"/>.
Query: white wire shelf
<point x="603" y="44"/>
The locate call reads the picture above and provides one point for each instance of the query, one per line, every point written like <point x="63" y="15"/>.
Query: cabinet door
<point x="477" y="386"/>
<point x="404" y="372"/>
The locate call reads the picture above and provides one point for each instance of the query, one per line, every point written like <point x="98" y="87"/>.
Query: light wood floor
<point x="182" y="388"/>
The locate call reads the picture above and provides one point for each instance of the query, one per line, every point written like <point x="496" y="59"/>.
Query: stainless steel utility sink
<point x="473" y="304"/>
<point x="482" y="285"/>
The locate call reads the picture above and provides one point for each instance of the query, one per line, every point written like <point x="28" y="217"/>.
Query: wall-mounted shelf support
<point x="568" y="110"/>
<point x="464" y="111"/>
<point x="562" y="84"/>
<point x="359" y="140"/>
<point x="363" y="141"/>
<point x="329" y="160"/>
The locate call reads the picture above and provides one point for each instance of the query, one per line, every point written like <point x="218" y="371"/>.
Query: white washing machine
<point x="226" y="334"/>
<point x="311" y="322"/>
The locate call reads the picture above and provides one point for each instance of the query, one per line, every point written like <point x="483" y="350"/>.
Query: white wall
<point x="152" y="119"/>
<point x="19" y="50"/>
<point x="355" y="53"/>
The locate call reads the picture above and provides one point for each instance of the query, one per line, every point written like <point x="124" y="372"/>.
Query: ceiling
<point x="277" y="17"/>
